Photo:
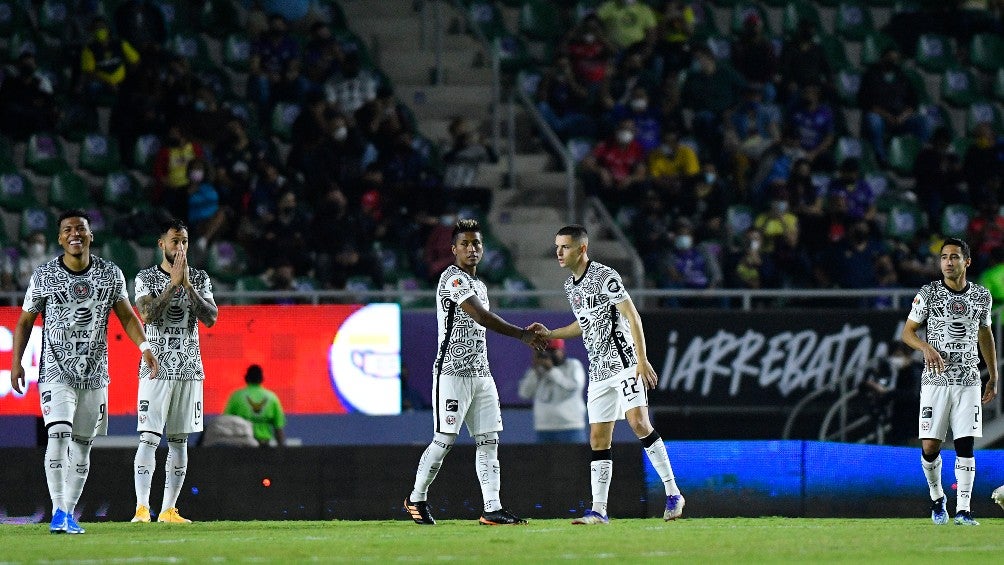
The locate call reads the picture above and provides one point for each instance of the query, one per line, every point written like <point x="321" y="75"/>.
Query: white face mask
<point x="710" y="178"/>
<point x="781" y="206"/>
<point x="755" y="245"/>
<point x="684" y="242"/>
<point x="625" y="136"/>
<point x="341" y="133"/>
<point x="197" y="175"/>
<point x="36" y="248"/>
<point x="589" y="38"/>
<point x="639" y="104"/>
<point x="666" y="149"/>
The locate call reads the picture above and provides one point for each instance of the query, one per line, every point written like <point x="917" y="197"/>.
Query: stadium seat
<point x="833" y="48"/>
<point x="144" y="151"/>
<point x="796" y="11"/>
<point x="237" y="52"/>
<point x="121" y="191"/>
<point x="12" y="17"/>
<point x="283" y="116"/>
<point x="226" y="261"/>
<point x="528" y="81"/>
<point x="540" y="20"/>
<point x="515" y="282"/>
<point x="720" y="46"/>
<point x="579" y="148"/>
<point x="44" y="154"/>
<point x="848" y="83"/>
<point x="99" y="154"/>
<point x="6" y="156"/>
<point x="486" y="16"/>
<point x="903" y="221"/>
<point x="998" y="86"/>
<point x="936" y="116"/>
<point x="413" y="284"/>
<point x="351" y="43"/>
<point x="850" y="147"/>
<point x="216" y="79"/>
<point x="903" y="150"/>
<point x="585" y="7"/>
<point x="853" y="20"/>
<point x="958" y="87"/>
<point x="219" y="19"/>
<point x="173" y="20"/>
<point x="77" y="119"/>
<point x="36" y="218"/>
<point x="742" y="10"/>
<point x="123" y="254"/>
<point x="873" y="45"/>
<point x="919" y="84"/>
<point x="986" y="51"/>
<point x="704" y="20"/>
<point x="68" y="190"/>
<point x="249" y="283"/>
<point x="16" y="192"/>
<point x="53" y="17"/>
<point x="935" y="53"/>
<point x="191" y="46"/>
<point x="955" y="220"/>
<point x="984" y="111"/>
<point x="738" y="219"/>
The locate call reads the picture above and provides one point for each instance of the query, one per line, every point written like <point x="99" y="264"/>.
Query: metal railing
<point x="637" y="265"/>
<point x="552" y="139"/>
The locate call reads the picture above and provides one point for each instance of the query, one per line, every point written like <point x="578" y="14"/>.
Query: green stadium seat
<point x="515" y="282"/>
<point x="44" y="155"/>
<point x="53" y="17"/>
<point x="984" y="111"/>
<point x="122" y="253"/>
<point x="237" y="52"/>
<point x="173" y="19"/>
<point x="850" y="147"/>
<point x="77" y="119"/>
<point x="937" y="116"/>
<point x="853" y="20"/>
<point x="249" y="283"/>
<point x="704" y="20"/>
<point x="585" y="7"/>
<point x="6" y="156"/>
<point x="958" y="87"/>
<point x="540" y="20"/>
<point x="12" y="17"/>
<point x="226" y="261"/>
<point x="796" y="11"/>
<point x="22" y="41"/>
<point x="283" y="116"/>
<point x="36" y="218"/>
<point x="144" y="151"/>
<point x="873" y="45"/>
<point x="99" y="154"/>
<point x="848" y="82"/>
<point x="69" y="190"/>
<point x="738" y="219"/>
<point x="955" y="220"/>
<point x="720" y="46"/>
<point x="918" y="84"/>
<point x="528" y="81"/>
<point x="986" y="51"/>
<point x="903" y="221"/>
<point x="191" y="46"/>
<point x="742" y="10"/>
<point x="219" y="19"/>
<point x="122" y="191"/>
<point x="903" y="150"/>
<point x="935" y="53"/>
<point x="16" y="192"/>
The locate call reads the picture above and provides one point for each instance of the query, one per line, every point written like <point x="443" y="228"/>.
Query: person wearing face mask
<point x="672" y="163"/>
<point x="170" y="170"/>
<point x="206" y="216"/>
<point x="857" y="194"/>
<point x="983" y="163"/>
<point x="677" y="23"/>
<point x="888" y="102"/>
<point x="687" y="266"/>
<point x="615" y="169"/>
<point x="16" y="269"/>
<point x="589" y="51"/>
<point x="647" y="122"/>
<point x="104" y="61"/>
<point x="563" y="101"/>
<point x="710" y="90"/>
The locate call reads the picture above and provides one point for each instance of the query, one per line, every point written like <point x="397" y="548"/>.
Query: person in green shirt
<point x="259" y="406"/>
<point x="993" y="278"/>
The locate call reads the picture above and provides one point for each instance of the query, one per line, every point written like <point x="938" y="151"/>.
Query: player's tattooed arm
<point x="151" y="308"/>
<point x="204" y="308"/>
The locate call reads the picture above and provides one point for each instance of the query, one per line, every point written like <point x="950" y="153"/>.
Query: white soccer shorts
<point x="466" y="400"/>
<point x="86" y="409"/>
<point x="609" y="400"/>
<point x="171" y="404"/>
<point x="958" y="406"/>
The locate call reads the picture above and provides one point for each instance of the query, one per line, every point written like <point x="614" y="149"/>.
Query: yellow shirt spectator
<point x="106" y="59"/>
<point x="776" y="226"/>
<point x="680" y="162"/>
<point x="626" y="22"/>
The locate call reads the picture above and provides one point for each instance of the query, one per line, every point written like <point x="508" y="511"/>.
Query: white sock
<point x="965" y="475"/>
<point x="429" y="464"/>
<point x="80" y="467"/>
<point x="932" y="470"/>
<point x="175" y="469"/>
<point x="660" y="460"/>
<point x="486" y="464"/>
<point x="143" y="465"/>
<point x="57" y="461"/>
<point x="600" y="473"/>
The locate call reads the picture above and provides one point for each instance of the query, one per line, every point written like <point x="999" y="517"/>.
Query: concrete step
<point x="456" y="68"/>
<point x="445" y="101"/>
<point x="356" y="9"/>
<point x="545" y="181"/>
<point x="401" y="33"/>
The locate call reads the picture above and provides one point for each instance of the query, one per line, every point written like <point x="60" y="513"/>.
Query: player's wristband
<point x="144" y="347"/>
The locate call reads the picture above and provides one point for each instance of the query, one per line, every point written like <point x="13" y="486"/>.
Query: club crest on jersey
<point x="957" y="307"/>
<point x="576" y="301"/>
<point x="456" y="282"/>
<point x="81" y="289"/>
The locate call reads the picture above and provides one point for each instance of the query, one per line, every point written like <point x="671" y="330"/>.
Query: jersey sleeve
<point x="121" y="292"/>
<point x="459" y="288"/>
<point x="613" y="287"/>
<point x="985" y="319"/>
<point x="142" y="289"/>
<point x="918" y="311"/>
<point x="34" y="300"/>
<point x="206" y="287"/>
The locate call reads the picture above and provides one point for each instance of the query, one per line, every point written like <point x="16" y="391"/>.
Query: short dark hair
<point x="254" y="375"/>
<point x="73" y="214"/>
<point x="575" y="231"/>
<point x="172" y="224"/>
<point x="958" y="242"/>
<point x="463" y="226"/>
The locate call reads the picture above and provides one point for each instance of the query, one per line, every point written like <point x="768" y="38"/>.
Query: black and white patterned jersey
<point x="75" y="307"/>
<point x="953" y="322"/>
<point x="463" y="347"/>
<point x="605" y="333"/>
<point x="174" y="338"/>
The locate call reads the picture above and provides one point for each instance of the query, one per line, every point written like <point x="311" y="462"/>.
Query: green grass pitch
<point x="705" y="540"/>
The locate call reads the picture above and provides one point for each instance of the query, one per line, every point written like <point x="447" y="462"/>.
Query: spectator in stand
<point x="803" y="63"/>
<point x="322" y="56"/>
<point x="170" y="170"/>
<point x="381" y="120"/>
<point x="589" y="52"/>
<point x="915" y="264"/>
<point x="986" y="232"/>
<point x="467" y="152"/>
<point x="343" y="242"/>
<point x="670" y="108"/>
<point x="234" y="156"/>
<point x="650" y="229"/>
<point x="993" y="277"/>
<point x="562" y="101"/>
<point x="615" y="170"/>
<point x="631" y="25"/>
<point x="16" y="266"/>
<point x="781" y="233"/>
<point x="407" y="179"/>
<point x="855" y="194"/>
<point x="353" y="86"/>
<point x="807" y="204"/>
<point x="307" y="133"/>
<point x="861" y="261"/>
<point x="710" y="90"/>
<point x="983" y="165"/>
<point x="555" y="383"/>
<point x="938" y="176"/>
<point x="686" y="266"/>
<point x="436" y="253"/>
<point x="707" y="203"/>
<point x="774" y="168"/>
<point x="629" y="74"/>
<point x="206" y="217"/>
<point x="141" y="23"/>
<point x="646" y="120"/>
<point x="27" y="104"/>
<point x="267" y="185"/>
<point x="139" y="109"/>
<point x="104" y="62"/>
<point x="344" y="155"/>
<point x="816" y="125"/>
<point x="288" y="234"/>
<point x="674" y="33"/>
<point x="672" y="164"/>
<point x="754" y="127"/>
<point x="753" y="56"/>
<point x="272" y="55"/>
<point x="888" y="102"/>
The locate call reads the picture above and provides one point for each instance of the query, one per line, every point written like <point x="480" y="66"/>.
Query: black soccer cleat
<point x="419" y="512"/>
<point x="500" y="517"/>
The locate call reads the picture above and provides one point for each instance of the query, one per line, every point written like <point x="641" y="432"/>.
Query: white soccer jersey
<point x="174" y="338"/>
<point x="953" y="323"/>
<point x="463" y="349"/>
<point x="605" y="333"/>
<point x="75" y="309"/>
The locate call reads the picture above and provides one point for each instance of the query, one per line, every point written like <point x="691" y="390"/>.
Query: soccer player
<point x="75" y="293"/>
<point x="463" y="390"/>
<point x="172" y="299"/>
<point x="619" y="371"/>
<point x="956" y="314"/>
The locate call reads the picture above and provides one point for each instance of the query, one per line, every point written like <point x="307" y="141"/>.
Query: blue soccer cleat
<point x="674" y="507"/>
<point x="938" y="513"/>
<point x="72" y="527"/>
<point x="965" y="518"/>
<point x="591" y="517"/>
<point x="58" y="524"/>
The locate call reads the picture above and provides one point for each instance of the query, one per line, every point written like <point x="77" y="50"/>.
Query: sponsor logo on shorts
<point x="451" y="419"/>
<point x="925" y="426"/>
<point x="142" y="418"/>
<point x="144" y="405"/>
<point x="46" y="397"/>
<point x="452" y="405"/>
<point x="927" y="412"/>
<point x="46" y="410"/>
